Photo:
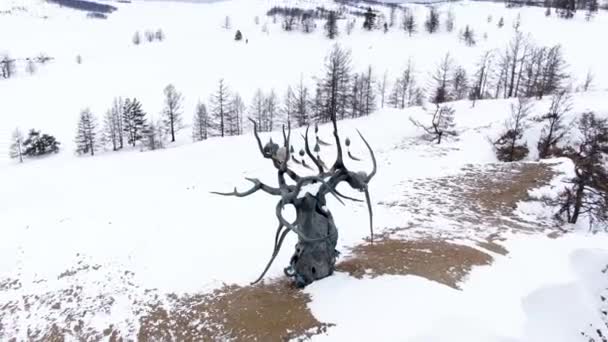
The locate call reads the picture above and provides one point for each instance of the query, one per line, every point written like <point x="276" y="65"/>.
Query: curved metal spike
<point x="274" y="255"/>
<point x="322" y="143"/>
<point x="353" y="157"/>
<point x="371" y="214"/>
<point x="276" y="236"/>
<point x="306" y="165"/>
<point x="309" y="153"/>
<point x="371" y="175"/>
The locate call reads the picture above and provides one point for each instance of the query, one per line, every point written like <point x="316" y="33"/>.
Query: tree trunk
<point x="172" y="128"/>
<point x="578" y="203"/>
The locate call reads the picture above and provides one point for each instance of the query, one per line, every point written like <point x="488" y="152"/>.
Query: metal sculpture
<point x="315" y="252"/>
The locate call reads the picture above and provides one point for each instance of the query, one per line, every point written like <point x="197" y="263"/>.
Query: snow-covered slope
<point x="145" y="224"/>
<point x="196" y="45"/>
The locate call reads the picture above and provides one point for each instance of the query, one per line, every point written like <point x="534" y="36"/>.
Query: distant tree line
<point x="8" y="65"/>
<point x="149" y="35"/>
<point x="85" y="5"/>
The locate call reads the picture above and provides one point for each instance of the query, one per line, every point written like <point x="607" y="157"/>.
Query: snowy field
<point x="132" y="225"/>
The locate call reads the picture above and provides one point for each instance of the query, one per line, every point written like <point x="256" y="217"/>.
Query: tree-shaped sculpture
<point x="315" y="254"/>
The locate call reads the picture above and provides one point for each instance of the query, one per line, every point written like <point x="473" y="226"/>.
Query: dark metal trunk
<point x="315" y="255"/>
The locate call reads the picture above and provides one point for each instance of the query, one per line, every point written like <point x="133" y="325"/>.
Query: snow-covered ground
<point x="151" y="215"/>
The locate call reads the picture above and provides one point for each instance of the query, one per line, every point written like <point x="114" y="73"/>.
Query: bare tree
<point x="588" y="194"/>
<point x="588" y="81"/>
<point x="509" y="146"/>
<point x="550" y="74"/>
<point x="408" y="22"/>
<point x="219" y="107"/>
<point x="302" y="106"/>
<point x="308" y="24"/>
<point x="289" y="104"/>
<point x="30" y="67"/>
<point x="392" y="15"/>
<point x="86" y="134"/>
<point x="449" y="21"/>
<point x="136" y="38"/>
<point x="382" y="88"/>
<point x="363" y="94"/>
<point x="227" y="24"/>
<point x="118" y="107"/>
<point x="201" y="123"/>
<point x="172" y="113"/>
<point x="113" y="125"/>
<point x="334" y="87"/>
<point x="16" y="147"/>
<point x="404" y="88"/>
<point x="134" y="121"/>
<point x="331" y="26"/>
<point x="514" y="60"/>
<point x="468" y="36"/>
<point x="484" y="69"/>
<point x="350" y="26"/>
<point x="159" y="35"/>
<point x="460" y="83"/>
<point x="271" y="106"/>
<point x="432" y="21"/>
<point x="154" y="135"/>
<point x="235" y="117"/>
<point x="149" y="36"/>
<point x="257" y="110"/>
<point x="110" y="130"/>
<point x="7" y="66"/>
<point x="369" y="92"/>
<point x="442" y="123"/>
<point x="441" y="80"/>
<point x="554" y="129"/>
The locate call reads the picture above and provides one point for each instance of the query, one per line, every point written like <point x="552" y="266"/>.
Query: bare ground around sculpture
<point x="481" y="200"/>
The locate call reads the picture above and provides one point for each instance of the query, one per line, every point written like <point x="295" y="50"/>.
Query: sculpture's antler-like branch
<point x="268" y="154"/>
<point x="277" y="247"/>
<point x="257" y="138"/>
<point x="371" y="215"/>
<point x="353" y="157"/>
<point x="286" y="139"/>
<point x="339" y="164"/>
<point x="330" y="189"/>
<point x="257" y="186"/>
<point x="373" y="173"/>
<point x="312" y="179"/>
<point x="309" y="152"/>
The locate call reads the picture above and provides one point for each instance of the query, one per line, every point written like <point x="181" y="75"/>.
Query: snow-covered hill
<point x="110" y="239"/>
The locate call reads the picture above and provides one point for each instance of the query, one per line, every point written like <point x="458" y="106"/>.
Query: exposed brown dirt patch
<point x="266" y="312"/>
<point x="502" y="189"/>
<point x="479" y="199"/>
<point x="441" y="261"/>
